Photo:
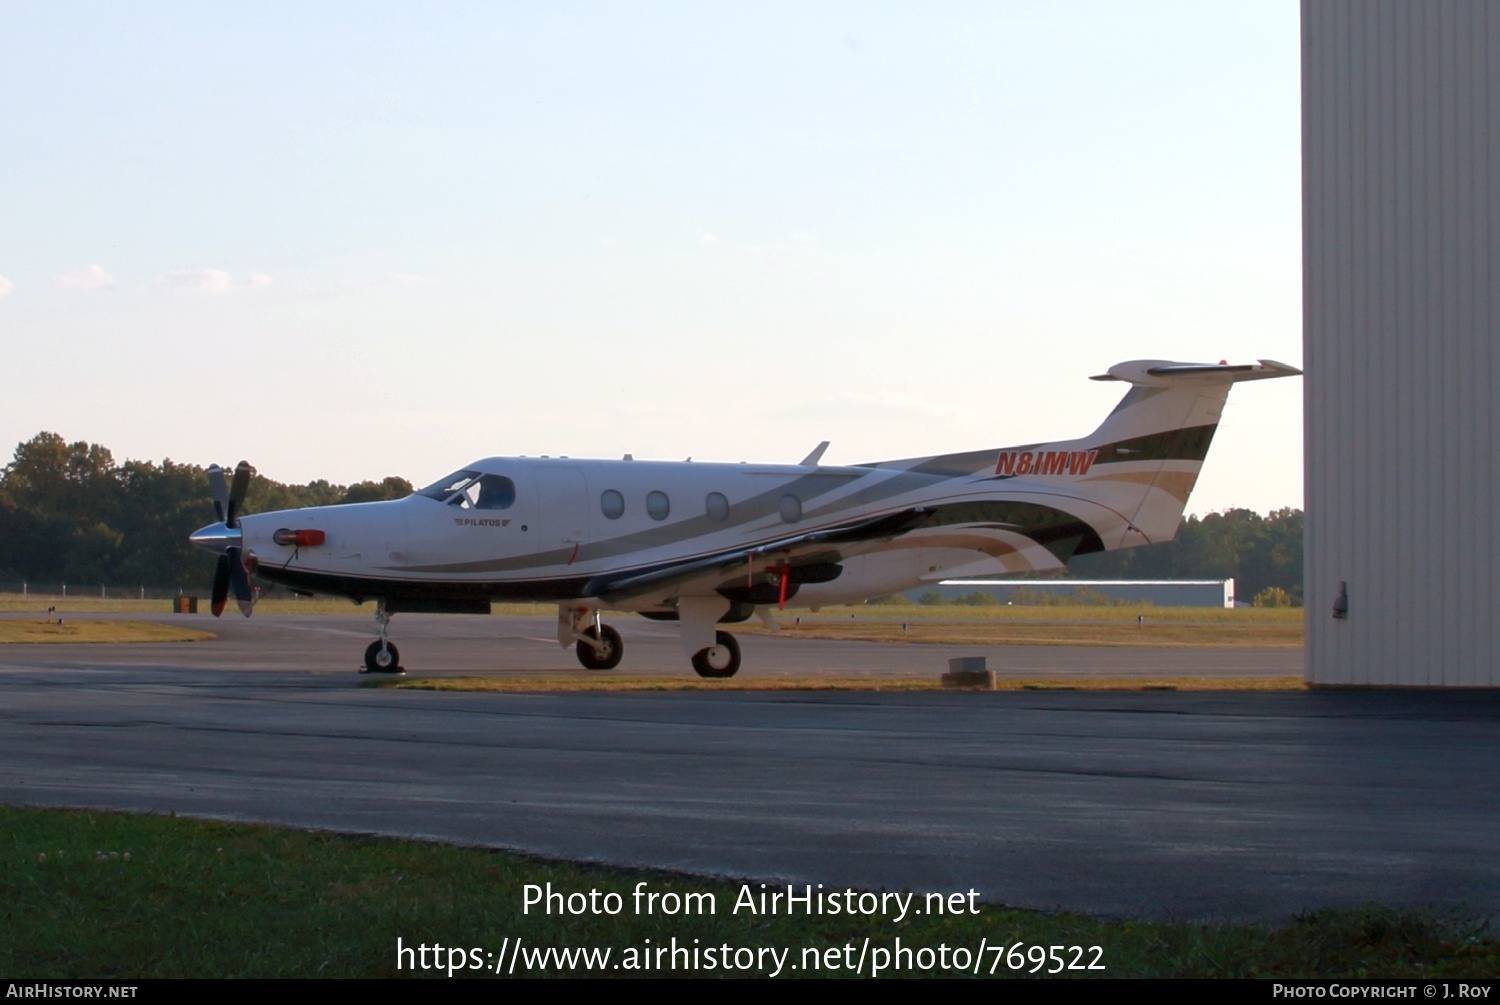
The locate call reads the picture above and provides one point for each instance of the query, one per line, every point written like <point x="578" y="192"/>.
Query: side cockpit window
<point x="495" y="492"/>
<point x="472" y="490"/>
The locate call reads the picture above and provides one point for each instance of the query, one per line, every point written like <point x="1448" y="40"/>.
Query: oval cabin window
<point x="791" y="508"/>
<point x="717" y="507"/>
<point x="658" y="505"/>
<point x="612" y="504"/>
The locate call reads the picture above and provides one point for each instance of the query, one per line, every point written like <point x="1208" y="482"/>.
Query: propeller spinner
<point x="231" y="575"/>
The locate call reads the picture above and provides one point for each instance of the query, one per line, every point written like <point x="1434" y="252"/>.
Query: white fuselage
<point x="569" y="522"/>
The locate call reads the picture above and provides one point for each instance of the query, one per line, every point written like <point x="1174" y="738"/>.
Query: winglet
<point x="812" y="459"/>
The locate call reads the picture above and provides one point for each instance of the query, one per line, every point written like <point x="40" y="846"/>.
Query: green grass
<point x="1014" y="632"/>
<point x="14" y="603"/>
<point x="89" y="894"/>
<point x="26" y="630"/>
<point x="1125" y="614"/>
<point x="572" y="682"/>
<point x="877" y="613"/>
<point x="298" y="605"/>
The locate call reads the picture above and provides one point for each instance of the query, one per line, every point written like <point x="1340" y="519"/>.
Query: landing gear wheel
<point x="606" y="658"/>
<point x="382" y="657"/>
<point x="722" y="660"/>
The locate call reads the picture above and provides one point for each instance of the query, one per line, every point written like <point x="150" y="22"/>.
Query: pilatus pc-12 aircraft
<point x="712" y="544"/>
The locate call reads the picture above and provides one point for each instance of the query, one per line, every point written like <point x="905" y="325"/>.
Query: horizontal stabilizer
<point x="1166" y="373"/>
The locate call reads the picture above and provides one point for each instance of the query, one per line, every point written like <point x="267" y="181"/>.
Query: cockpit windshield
<point x="442" y="489"/>
<point x="472" y="490"/>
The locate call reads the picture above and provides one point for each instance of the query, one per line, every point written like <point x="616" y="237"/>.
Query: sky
<point x="347" y="241"/>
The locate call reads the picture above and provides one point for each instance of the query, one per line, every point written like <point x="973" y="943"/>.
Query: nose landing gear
<point x="381" y="656"/>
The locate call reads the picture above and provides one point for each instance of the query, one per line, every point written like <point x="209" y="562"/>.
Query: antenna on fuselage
<point x="812" y="459"/>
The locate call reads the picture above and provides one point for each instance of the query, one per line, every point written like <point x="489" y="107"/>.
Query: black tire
<point x="606" y="659"/>
<point x="723" y="660"/>
<point x="382" y="658"/>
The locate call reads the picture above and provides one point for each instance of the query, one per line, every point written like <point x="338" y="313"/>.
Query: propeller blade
<point x="237" y="489"/>
<point x="221" y="585"/>
<point x="230" y="574"/>
<point x="239" y="581"/>
<point x="219" y="490"/>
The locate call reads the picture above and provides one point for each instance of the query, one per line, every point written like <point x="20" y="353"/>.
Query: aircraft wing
<point x="821" y="545"/>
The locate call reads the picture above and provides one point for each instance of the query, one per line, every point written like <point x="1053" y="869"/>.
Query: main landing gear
<point x="381" y="656"/>
<point x="719" y="660"/>
<point x="599" y="647"/>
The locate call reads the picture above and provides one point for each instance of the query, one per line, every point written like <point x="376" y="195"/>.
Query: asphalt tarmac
<point x="1201" y="806"/>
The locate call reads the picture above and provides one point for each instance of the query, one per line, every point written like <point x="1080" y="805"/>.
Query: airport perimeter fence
<point x="50" y="592"/>
<point x="95" y="591"/>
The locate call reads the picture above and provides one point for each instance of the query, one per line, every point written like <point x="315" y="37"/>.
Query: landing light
<point x="298" y="538"/>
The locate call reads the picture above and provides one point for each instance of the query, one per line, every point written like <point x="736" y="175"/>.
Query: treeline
<point x="69" y="513"/>
<point x="1257" y="552"/>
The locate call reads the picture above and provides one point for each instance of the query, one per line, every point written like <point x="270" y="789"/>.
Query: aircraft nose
<point x="216" y="537"/>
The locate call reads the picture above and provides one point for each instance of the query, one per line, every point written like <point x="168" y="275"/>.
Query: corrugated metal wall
<point x="1401" y="218"/>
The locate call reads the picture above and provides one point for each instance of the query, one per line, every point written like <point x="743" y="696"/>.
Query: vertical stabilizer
<point x="1142" y="462"/>
<point x="1153" y="444"/>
